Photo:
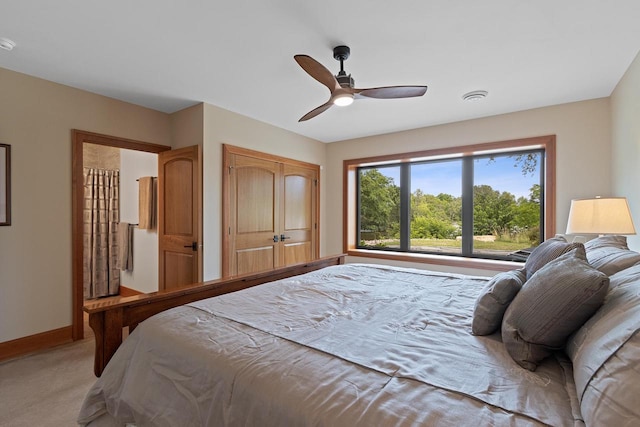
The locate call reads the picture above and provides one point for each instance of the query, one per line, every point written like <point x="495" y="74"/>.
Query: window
<point x="484" y="201"/>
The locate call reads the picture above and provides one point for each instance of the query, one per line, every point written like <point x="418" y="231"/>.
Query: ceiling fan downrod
<point x="341" y="53"/>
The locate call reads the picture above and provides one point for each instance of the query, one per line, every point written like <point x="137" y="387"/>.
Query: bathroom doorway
<point x="79" y="139"/>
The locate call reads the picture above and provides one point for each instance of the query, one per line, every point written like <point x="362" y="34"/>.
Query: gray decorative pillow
<point x="556" y="301"/>
<point x="610" y="254"/>
<point x="494" y="300"/>
<point x="547" y="251"/>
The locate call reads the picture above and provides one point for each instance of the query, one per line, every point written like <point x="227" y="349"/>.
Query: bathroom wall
<point x="144" y="275"/>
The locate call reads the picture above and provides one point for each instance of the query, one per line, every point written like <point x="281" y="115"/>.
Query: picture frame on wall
<point x="5" y="184"/>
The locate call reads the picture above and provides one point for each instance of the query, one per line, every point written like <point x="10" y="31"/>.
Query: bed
<point x="364" y="345"/>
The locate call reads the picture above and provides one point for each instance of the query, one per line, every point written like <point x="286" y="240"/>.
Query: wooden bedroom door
<point x="270" y="212"/>
<point x="179" y="219"/>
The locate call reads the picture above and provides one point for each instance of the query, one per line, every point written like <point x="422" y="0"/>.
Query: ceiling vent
<point x="476" y="95"/>
<point x="7" y="44"/>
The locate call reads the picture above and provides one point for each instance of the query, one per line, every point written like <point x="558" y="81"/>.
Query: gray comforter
<point x="344" y="346"/>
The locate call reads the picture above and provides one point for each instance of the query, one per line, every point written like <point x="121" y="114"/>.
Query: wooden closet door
<point x="255" y="191"/>
<point x="266" y="198"/>
<point x="299" y="219"/>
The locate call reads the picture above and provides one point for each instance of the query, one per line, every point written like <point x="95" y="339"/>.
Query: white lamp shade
<point x="609" y="215"/>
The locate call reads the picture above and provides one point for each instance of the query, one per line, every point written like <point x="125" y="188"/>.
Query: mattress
<point x="349" y="345"/>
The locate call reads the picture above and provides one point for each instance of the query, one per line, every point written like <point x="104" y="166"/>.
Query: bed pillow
<point x="610" y="254"/>
<point x="556" y="301"/>
<point x="547" y="251"/>
<point x="612" y="241"/>
<point x="605" y="353"/>
<point x="494" y="300"/>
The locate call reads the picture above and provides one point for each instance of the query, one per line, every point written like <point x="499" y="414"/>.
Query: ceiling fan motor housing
<point x="345" y="80"/>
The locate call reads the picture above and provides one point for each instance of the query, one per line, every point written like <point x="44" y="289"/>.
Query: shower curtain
<point x="100" y="245"/>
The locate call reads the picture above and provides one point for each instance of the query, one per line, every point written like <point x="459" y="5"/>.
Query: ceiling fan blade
<point x="391" y="92"/>
<point x="317" y="71"/>
<point x="311" y="114"/>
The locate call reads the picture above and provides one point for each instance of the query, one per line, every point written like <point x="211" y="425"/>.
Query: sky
<point x="445" y="176"/>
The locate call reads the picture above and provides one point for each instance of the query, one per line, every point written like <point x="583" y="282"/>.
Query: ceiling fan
<point x="341" y="85"/>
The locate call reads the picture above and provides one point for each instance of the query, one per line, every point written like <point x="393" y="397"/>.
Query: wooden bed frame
<point x="108" y="317"/>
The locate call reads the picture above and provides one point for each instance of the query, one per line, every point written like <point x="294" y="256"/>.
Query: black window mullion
<point x="467" y="206"/>
<point x="405" y="207"/>
<point x="541" y="233"/>
<point x="358" y="212"/>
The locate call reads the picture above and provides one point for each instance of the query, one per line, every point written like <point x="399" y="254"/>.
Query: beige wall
<point x="583" y="152"/>
<point x="187" y="126"/>
<point x="625" y="130"/>
<point x="36" y="118"/>
<point x="225" y="127"/>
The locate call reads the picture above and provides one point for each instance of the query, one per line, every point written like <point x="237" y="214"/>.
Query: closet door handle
<point x="193" y="246"/>
<point x="276" y="239"/>
<point x="283" y="237"/>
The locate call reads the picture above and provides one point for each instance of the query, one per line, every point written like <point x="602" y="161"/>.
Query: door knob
<point x="275" y="238"/>
<point x="193" y="246"/>
<point x="283" y="237"/>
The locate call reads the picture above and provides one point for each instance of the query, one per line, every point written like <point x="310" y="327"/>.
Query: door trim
<point x="227" y="151"/>
<point x="78" y="138"/>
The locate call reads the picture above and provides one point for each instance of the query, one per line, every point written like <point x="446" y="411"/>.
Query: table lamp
<point x="602" y="215"/>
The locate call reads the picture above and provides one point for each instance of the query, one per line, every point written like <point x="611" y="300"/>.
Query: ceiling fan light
<point x="343" y="100"/>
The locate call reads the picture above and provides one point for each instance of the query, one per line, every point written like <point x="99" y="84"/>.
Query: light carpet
<point x="46" y="388"/>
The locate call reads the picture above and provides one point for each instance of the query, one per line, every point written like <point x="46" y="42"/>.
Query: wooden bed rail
<point x="108" y="317"/>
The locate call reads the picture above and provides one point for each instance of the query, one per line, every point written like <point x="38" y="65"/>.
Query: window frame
<point x="350" y="198"/>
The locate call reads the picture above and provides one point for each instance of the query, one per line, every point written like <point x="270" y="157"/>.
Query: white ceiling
<point x="169" y="54"/>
